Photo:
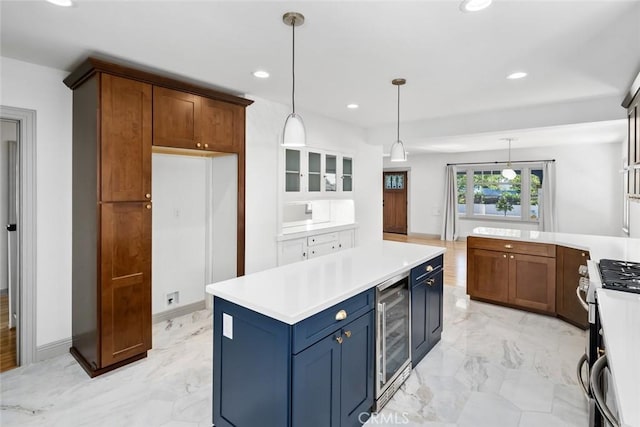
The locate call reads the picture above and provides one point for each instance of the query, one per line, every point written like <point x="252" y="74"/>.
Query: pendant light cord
<point x="509" y="162"/>
<point x="293" y="65"/>
<point x="398" y="128"/>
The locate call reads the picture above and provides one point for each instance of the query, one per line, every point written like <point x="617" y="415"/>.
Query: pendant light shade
<point x="398" y="153"/>
<point x="508" y="172"/>
<point x="294" y="133"/>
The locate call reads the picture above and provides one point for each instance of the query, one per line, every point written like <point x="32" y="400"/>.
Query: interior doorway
<point x="9" y="192"/>
<point x="394" y="202"/>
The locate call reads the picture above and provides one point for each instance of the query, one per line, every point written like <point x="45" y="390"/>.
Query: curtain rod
<point x="496" y="162"/>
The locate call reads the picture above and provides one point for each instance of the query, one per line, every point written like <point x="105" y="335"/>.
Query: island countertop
<point x="293" y="292"/>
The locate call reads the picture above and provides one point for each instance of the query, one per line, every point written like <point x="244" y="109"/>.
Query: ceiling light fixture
<point x="398" y="153"/>
<point x="294" y="133"/>
<point x="517" y="75"/>
<point x="261" y="74"/>
<point x="508" y="172"/>
<point x="474" y="5"/>
<point x="63" y="3"/>
<point x="352" y="106"/>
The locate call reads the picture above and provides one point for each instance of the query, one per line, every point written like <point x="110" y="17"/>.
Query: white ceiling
<point x="455" y="63"/>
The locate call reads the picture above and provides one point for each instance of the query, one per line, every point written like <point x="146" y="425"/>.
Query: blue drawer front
<point x="420" y="273"/>
<point x="318" y="326"/>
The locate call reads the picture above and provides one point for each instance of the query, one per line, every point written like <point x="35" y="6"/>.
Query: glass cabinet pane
<point x="347" y="174"/>
<point x="292" y="170"/>
<point x="314" y="171"/>
<point x="330" y="173"/>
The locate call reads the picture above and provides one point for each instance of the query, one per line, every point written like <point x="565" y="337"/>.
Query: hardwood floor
<point x="455" y="258"/>
<point x="7" y="337"/>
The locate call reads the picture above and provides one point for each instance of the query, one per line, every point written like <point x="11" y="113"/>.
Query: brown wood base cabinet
<point x="113" y="133"/>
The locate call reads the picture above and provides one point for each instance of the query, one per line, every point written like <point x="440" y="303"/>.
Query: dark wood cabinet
<point x="118" y="113"/>
<point x="512" y="275"/>
<point x="568" y="260"/>
<point x="222" y="126"/>
<point x="426" y="308"/>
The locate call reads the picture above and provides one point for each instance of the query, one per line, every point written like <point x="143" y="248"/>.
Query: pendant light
<point x="508" y="172"/>
<point x="398" y="153"/>
<point x="294" y="134"/>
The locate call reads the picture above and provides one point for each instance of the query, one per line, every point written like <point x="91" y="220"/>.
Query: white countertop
<point x="293" y="292"/>
<point x="620" y="316"/>
<point x="305" y="230"/>
<point x="599" y="247"/>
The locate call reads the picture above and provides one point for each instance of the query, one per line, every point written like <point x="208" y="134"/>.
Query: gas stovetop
<point x="620" y="275"/>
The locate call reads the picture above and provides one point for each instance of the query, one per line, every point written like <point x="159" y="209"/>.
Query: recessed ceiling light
<point x="261" y="74"/>
<point x="517" y="75"/>
<point x="352" y="106"/>
<point x="474" y="5"/>
<point x="63" y="3"/>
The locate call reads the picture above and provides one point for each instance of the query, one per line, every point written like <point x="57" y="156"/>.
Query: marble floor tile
<point x="478" y="375"/>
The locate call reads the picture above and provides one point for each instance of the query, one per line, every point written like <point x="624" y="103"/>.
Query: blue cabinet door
<point x="356" y="391"/>
<point x="315" y="394"/>
<point x="434" y="310"/>
<point x="419" y="322"/>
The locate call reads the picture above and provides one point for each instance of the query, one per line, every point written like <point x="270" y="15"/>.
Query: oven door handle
<point x="581" y="363"/>
<point x="582" y="301"/>
<point x="594" y="382"/>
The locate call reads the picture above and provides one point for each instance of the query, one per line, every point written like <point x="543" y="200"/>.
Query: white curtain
<point x="548" y="200"/>
<point x="450" y="217"/>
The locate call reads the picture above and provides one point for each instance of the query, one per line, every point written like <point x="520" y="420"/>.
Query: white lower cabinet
<point x="314" y="246"/>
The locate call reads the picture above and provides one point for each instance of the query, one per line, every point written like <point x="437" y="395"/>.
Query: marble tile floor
<point x="494" y="367"/>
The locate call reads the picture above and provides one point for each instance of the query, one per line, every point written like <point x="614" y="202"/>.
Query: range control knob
<point x="583" y="270"/>
<point x="584" y="284"/>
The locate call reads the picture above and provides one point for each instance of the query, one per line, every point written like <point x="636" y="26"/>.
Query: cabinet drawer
<point x="512" y="246"/>
<point x="426" y="269"/>
<point x="322" y="238"/>
<point x="318" y="326"/>
<point x="322" y="249"/>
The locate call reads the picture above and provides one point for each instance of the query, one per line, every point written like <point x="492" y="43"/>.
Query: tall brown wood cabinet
<point x="119" y="113"/>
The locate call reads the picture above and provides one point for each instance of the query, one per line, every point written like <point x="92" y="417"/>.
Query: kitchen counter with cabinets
<point x="294" y="345"/>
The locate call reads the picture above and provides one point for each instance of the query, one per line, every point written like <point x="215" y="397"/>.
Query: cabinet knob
<point x="339" y="339"/>
<point x="347" y="334"/>
<point x="511" y="256"/>
<point x="148" y="196"/>
<point x="304" y="254"/>
<point x="148" y="206"/>
<point x="341" y="315"/>
<point x="340" y="245"/>
<point x="504" y="255"/>
<point x="429" y="268"/>
<point x="583" y="254"/>
<point x="508" y="246"/>
<point x="198" y="145"/>
<point x="430" y="282"/>
<point x="206" y="145"/>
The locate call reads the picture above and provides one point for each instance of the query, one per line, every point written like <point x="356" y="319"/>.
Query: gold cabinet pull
<point x="430" y="282"/>
<point x="206" y="145"/>
<point x="347" y="334"/>
<point x="512" y="257"/>
<point x="148" y="206"/>
<point x="583" y="254"/>
<point x="508" y="246"/>
<point x="198" y="145"/>
<point x="504" y="255"/>
<point x="339" y="339"/>
<point x="148" y="196"/>
<point x="341" y="315"/>
<point x="429" y="268"/>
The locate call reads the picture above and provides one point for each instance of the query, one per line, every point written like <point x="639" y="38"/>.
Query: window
<point x="483" y="193"/>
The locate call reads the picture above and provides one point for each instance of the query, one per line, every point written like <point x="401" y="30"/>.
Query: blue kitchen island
<point x="294" y="345"/>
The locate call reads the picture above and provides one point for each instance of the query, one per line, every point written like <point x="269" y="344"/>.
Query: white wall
<point x="265" y="120"/>
<point x="634" y="219"/>
<point x="224" y="217"/>
<point x="588" y="193"/>
<point x="30" y="86"/>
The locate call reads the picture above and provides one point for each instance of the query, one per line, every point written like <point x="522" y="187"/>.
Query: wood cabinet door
<point x="419" y="322"/>
<point x="125" y="288"/>
<point x="125" y="135"/>
<point x="434" y="307"/>
<point x="568" y="260"/>
<point x="488" y="275"/>
<point x="221" y="126"/>
<point x="394" y="202"/>
<point x="356" y="382"/>
<point x="532" y="282"/>
<point x="315" y="393"/>
<point x="176" y="119"/>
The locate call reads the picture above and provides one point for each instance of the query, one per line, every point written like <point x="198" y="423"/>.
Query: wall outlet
<point x="173" y="298"/>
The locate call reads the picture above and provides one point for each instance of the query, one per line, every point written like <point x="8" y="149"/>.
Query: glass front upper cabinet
<point x="315" y="171"/>
<point x="292" y="170"/>
<point x="347" y="174"/>
<point x="330" y="173"/>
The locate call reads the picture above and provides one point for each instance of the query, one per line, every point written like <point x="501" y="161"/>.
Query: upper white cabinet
<point x="310" y="171"/>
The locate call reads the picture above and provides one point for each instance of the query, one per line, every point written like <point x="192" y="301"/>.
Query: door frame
<point x="408" y="188"/>
<point x="27" y="241"/>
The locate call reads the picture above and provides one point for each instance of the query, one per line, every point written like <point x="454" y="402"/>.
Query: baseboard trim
<point x="178" y="311"/>
<point x="424" y="236"/>
<point x="53" y="349"/>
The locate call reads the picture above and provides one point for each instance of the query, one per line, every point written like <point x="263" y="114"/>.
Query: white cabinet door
<point x="346" y="239"/>
<point x="292" y="251"/>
